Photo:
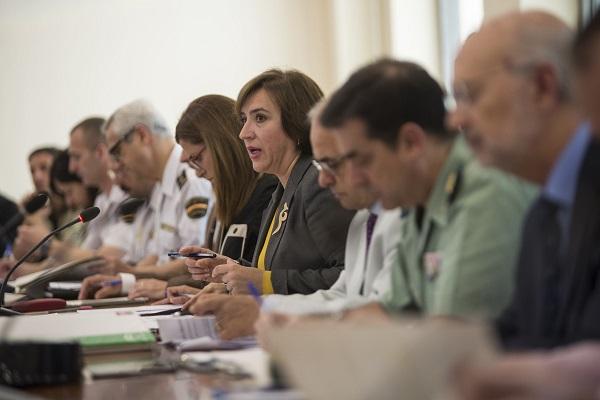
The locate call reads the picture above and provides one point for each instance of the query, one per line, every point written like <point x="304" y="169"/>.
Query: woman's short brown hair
<point x="294" y="93"/>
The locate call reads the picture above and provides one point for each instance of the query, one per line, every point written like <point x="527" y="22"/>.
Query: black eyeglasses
<point x="194" y="160"/>
<point x="329" y="165"/>
<point x="115" y="149"/>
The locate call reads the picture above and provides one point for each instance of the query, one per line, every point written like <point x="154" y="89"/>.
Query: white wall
<point x="415" y="34"/>
<point x="63" y="60"/>
<point x="568" y="10"/>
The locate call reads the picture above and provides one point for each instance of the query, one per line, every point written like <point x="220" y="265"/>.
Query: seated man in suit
<point x="572" y="372"/>
<point x="523" y="119"/>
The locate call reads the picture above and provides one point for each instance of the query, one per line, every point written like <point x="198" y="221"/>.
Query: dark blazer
<point x="306" y="253"/>
<point x="250" y="216"/>
<point x="576" y="315"/>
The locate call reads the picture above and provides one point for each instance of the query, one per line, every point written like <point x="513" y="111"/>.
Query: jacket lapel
<point x="266" y="222"/>
<point x="584" y="228"/>
<point x="302" y="166"/>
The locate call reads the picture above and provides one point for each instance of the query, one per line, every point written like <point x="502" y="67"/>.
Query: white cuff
<point x="127" y="282"/>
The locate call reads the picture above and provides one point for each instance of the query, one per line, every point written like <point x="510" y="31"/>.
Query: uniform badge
<point x="433" y="264"/>
<point x="196" y="207"/>
<point x="168" y="228"/>
<point x="282" y="218"/>
<point x="182" y="179"/>
<point x="453" y="185"/>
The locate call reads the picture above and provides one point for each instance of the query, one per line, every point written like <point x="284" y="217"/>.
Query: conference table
<point x="181" y="375"/>
<point x="180" y="385"/>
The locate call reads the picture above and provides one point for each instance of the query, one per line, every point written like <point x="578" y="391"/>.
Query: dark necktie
<point x="371" y="221"/>
<point x="370" y="227"/>
<point x="552" y="272"/>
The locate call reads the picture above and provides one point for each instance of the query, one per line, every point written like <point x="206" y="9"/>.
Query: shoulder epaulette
<point x="182" y="179"/>
<point x="453" y="183"/>
<point x="196" y="207"/>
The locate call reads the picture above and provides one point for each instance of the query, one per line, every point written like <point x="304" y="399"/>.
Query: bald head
<point x="521" y="39"/>
<point x="513" y="91"/>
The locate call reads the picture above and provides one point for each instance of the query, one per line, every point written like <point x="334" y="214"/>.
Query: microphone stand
<point x="7" y="311"/>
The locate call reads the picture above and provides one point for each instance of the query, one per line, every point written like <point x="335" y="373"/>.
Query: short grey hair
<point x="137" y="112"/>
<point x="545" y="39"/>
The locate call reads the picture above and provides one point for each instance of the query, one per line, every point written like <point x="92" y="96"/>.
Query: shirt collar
<point x="376" y="208"/>
<point x="562" y="182"/>
<point x="437" y="205"/>
<point x="116" y="194"/>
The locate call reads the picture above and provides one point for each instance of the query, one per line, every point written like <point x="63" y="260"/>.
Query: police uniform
<point x="457" y="255"/>
<point x="181" y="203"/>
<point x="107" y="229"/>
<point x="142" y="233"/>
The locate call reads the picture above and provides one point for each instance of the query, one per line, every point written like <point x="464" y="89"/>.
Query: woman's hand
<point x="235" y="315"/>
<point x="212" y="288"/>
<point x="201" y="270"/>
<point x="236" y="277"/>
<point x="152" y="288"/>
<point x="99" y="287"/>
<point x="179" y="294"/>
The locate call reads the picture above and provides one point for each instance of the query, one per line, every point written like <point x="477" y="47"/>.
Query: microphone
<point x="30" y="207"/>
<point x="85" y="216"/>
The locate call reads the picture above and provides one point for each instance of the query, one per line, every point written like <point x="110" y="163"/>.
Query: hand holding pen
<point x="201" y="265"/>
<point x="100" y="286"/>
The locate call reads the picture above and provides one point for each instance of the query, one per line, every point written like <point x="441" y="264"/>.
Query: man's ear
<point x="546" y="86"/>
<point x="145" y="134"/>
<point x="101" y="151"/>
<point x="410" y="139"/>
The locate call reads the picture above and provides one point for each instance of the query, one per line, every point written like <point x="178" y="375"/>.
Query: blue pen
<point x="114" y="282"/>
<point x="255" y="293"/>
<point x="7" y="251"/>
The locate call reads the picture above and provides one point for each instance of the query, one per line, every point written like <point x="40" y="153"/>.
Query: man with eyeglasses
<point x="371" y="243"/>
<point x="525" y="121"/>
<point x="557" y="298"/>
<point x="461" y="230"/>
<point x="143" y="149"/>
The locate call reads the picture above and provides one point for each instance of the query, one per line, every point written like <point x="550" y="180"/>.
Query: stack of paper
<point x="97" y="333"/>
<point x="198" y="333"/>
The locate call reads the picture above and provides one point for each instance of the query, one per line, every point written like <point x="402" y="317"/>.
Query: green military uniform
<point x="458" y="254"/>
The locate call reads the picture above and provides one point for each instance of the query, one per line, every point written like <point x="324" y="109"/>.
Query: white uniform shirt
<point x="107" y="229"/>
<point x="142" y="231"/>
<point x="372" y="269"/>
<point x="173" y="227"/>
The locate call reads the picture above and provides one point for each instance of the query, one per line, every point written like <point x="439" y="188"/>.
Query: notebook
<point x="97" y="333"/>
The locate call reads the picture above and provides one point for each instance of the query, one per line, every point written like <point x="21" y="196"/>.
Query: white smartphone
<point x="235" y="241"/>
